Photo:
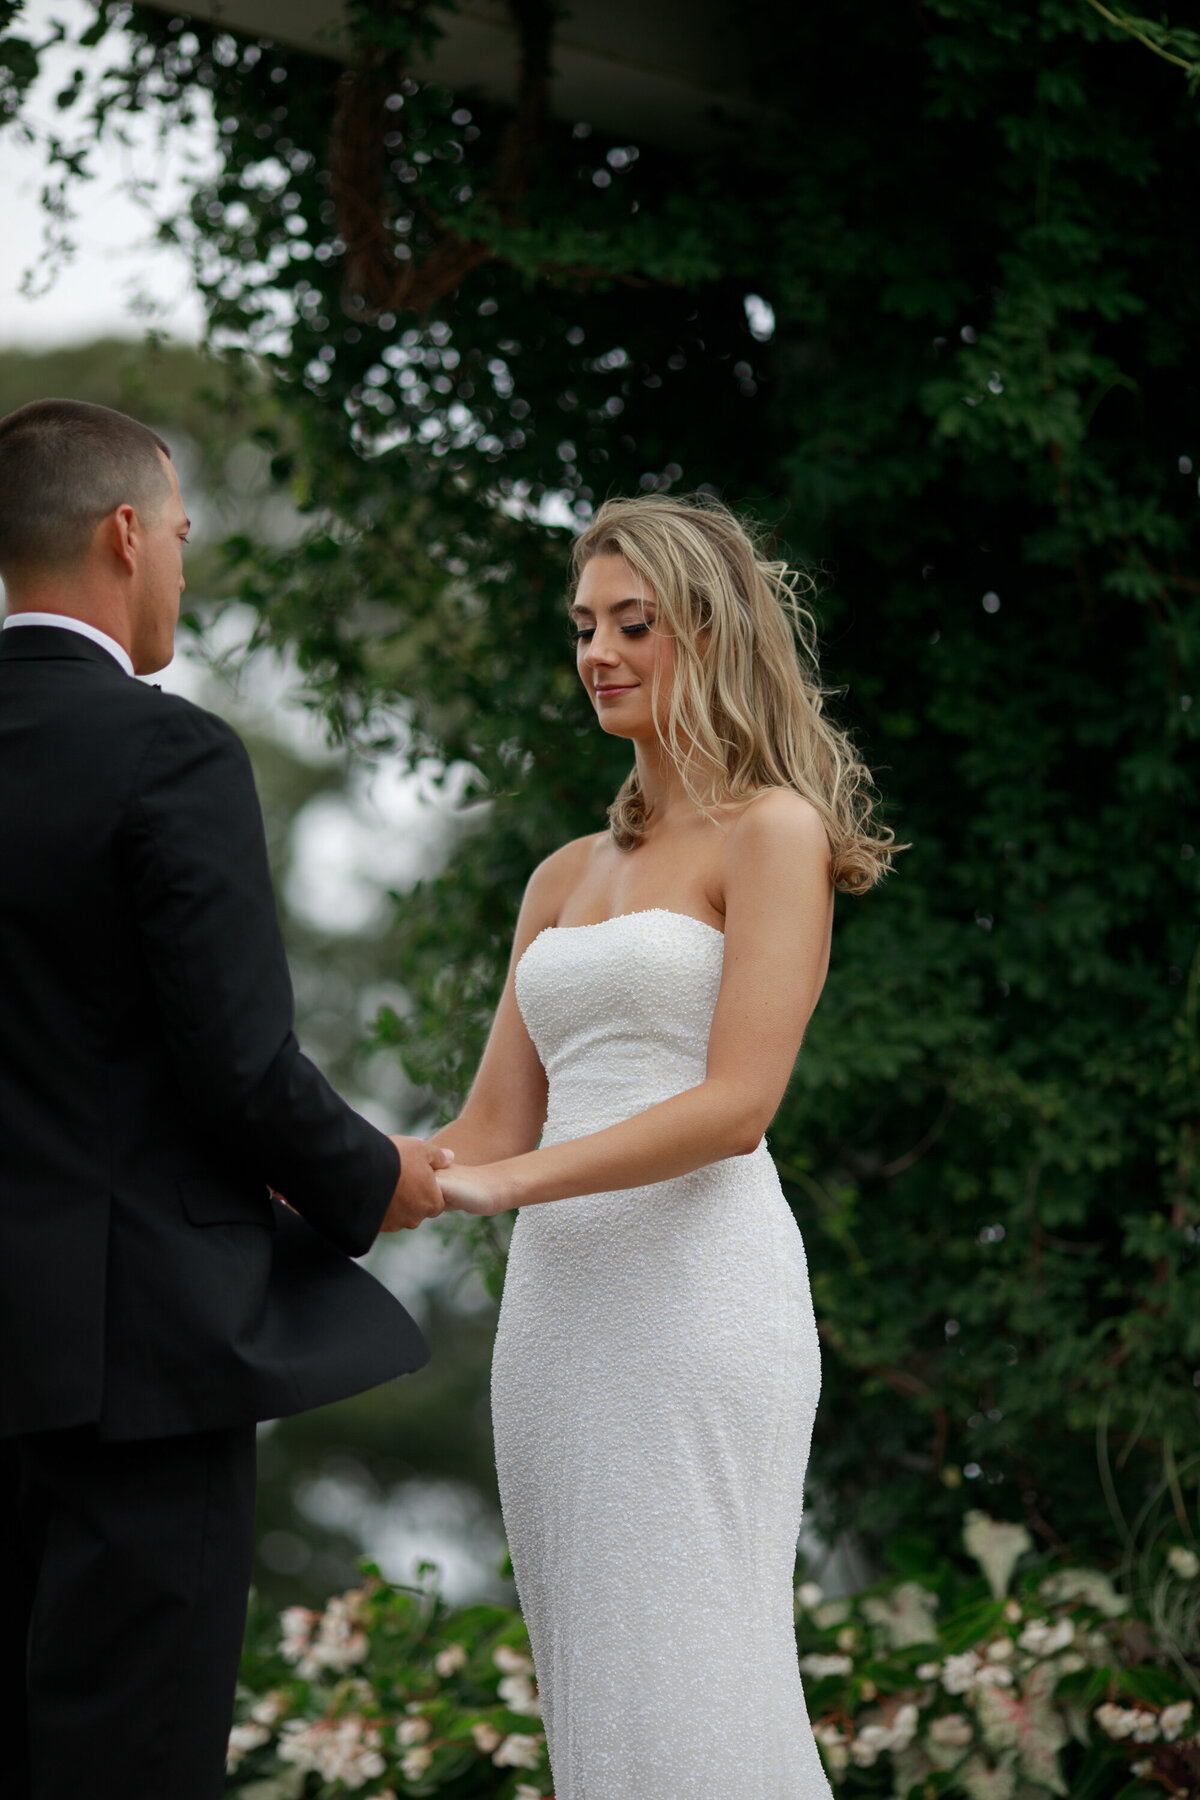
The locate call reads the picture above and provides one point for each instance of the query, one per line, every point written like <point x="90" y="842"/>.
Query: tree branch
<point x="1123" y="23"/>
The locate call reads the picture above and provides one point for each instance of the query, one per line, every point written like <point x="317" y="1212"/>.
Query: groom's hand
<point x="418" y="1196"/>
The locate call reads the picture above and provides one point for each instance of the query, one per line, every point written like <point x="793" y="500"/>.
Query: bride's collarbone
<point x="671" y="875"/>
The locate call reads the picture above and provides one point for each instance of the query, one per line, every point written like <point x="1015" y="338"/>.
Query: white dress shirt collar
<point x="61" y="622"/>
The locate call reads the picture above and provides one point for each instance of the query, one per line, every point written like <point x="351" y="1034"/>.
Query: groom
<point x="154" y="1300"/>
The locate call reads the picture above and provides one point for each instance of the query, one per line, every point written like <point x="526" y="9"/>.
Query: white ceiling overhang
<point x="659" y="71"/>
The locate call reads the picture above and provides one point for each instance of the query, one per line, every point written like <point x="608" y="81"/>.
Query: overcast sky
<point x="92" y="295"/>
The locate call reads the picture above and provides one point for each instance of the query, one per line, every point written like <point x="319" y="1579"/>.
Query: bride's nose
<point x="602" y="652"/>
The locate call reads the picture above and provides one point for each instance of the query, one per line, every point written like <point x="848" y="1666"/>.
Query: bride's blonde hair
<point x="746" y="707"/>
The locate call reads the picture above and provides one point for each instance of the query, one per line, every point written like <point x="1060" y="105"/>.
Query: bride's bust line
<point x="639" y="912"/>
<point x="590" y="882"/>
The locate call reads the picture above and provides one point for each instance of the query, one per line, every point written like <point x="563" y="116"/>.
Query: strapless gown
<point x="654" y="1385"/>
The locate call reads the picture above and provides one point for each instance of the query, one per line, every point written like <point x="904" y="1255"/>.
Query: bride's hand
<point x="483" y="1190"/>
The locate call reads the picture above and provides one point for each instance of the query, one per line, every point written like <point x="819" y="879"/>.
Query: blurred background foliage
<point x="929" y="317"/>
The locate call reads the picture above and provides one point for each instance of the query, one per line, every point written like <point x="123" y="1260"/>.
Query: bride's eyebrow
<point x="580" y="615"/>
<point x="618" y="606"/>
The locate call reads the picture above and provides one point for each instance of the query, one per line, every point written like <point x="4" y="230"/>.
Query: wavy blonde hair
<point x="746" y="711"/>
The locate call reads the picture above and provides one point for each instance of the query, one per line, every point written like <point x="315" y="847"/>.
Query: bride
<point x="656" y="1368"/>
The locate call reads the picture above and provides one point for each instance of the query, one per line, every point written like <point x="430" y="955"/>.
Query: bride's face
<point x="617" y="648"/>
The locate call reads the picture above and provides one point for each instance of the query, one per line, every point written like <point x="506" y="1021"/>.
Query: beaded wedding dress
<point x="654" y="1385"/>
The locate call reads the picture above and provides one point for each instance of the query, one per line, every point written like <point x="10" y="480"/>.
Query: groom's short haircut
<point x="64" y="466"/>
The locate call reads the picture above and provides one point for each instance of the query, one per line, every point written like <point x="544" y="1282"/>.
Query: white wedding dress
<point x="653" y="1390"/>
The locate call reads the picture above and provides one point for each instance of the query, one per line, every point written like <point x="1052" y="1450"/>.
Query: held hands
<point x="417" y="1196"/>
<point x="483" y="1190"/>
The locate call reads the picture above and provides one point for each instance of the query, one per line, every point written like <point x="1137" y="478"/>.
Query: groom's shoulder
<point x="157" y="728"/>
<point x="156" y="710"/>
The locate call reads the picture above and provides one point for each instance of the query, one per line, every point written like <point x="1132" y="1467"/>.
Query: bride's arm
<point x="778" y="915"/>
<point x="506" y="1108"/>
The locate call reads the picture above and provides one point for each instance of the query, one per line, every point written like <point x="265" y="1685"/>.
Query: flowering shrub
<point x="388" y="1693"/>
<point x="1007" y="1686"/>
<point x="997" y="1689"/>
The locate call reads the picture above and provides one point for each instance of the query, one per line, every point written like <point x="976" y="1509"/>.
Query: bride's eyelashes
<point x="585" y="637"/>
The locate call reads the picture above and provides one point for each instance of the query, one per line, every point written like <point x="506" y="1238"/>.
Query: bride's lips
<point x="608" y="692"/>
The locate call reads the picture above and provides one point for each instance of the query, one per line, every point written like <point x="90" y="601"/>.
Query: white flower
<point x="525" y="1792"/>
<point x="1131" y="1722"/>
<point x="966" y="1671"/>
<point x="904" y="1725"/>
<point x="867" y="1744"/>
<point x="345" y="1750"/>
<point x="1172" y="1720"/>
<point x="517" y="1693"/>
<point x="340" y="1641"/>
<point x="414" y="1762"/>
<point x="510" y="1661"/>
<point x="1012" y="1611"/>
<point x="808" y="1595"/>
<point x="243" y="1739"/>
<point x="412" y="1731"/>
<point x="872" y="1740"/>
<point x="486" y="1736"/>
<point x="1114" y="1721"/>
<point x="959" y="1672"/>
<point x="1185" y="1563"/>
<point x="1000" y="1649"/>
<point x="519" y="1752"/>
<point x="450" y="1660"/>
<point x="833" y="1612"/>
<point x="996" y="1544"/>
<point x="847" y="1638"/>
<point x="1142" y="1767"/>
<point x="297" y="1624"/>
<point x="954" y="1730"/>
<point x="819" y="1666"/>
<point x="270" y="1709"/>
<point x="928" y="1671"/>
<point x="833" y="1743"/>
<point x="1043" y="1638"/>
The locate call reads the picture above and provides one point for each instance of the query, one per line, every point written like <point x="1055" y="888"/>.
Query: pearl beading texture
<point x="654" y="1385"/>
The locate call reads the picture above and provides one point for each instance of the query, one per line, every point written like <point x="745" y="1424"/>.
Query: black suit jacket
<point x="151" y="1086"/>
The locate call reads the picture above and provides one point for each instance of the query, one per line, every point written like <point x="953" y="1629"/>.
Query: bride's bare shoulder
<point x="783" y="819"/>
<point x="561" y="873"/>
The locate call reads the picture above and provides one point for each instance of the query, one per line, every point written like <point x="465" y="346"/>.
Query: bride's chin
<point x="622" y="728"/>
